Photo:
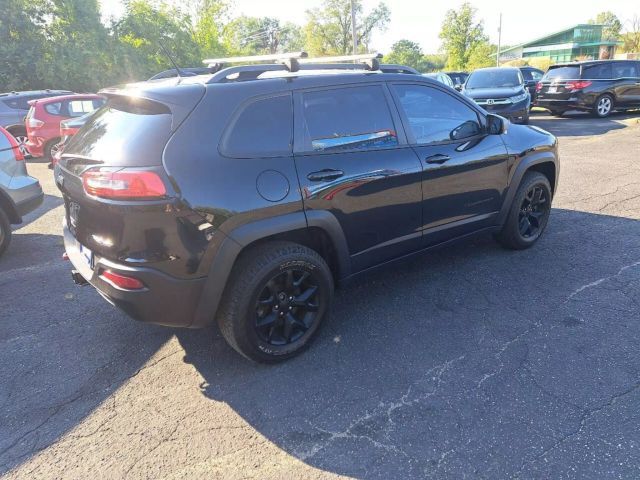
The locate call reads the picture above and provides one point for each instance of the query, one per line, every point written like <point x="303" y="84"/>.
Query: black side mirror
<point x="496" y="125"/>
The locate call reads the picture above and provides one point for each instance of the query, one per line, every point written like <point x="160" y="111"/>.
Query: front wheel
<point x="529" y="213"/>
<point x="604" y="106"/>
<point x="51" y="148"/>
<point x="277" y="296"/>
<point x="5" y="232"/>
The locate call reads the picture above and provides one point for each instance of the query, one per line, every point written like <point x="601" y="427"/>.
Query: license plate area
<point x="86" y="254"/>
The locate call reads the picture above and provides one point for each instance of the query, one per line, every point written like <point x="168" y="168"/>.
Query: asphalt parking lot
<point x="470" y="362"/>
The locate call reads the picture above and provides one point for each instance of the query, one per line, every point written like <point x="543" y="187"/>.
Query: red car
<point x="68" y="128"/>
<point x="44" y="117"/>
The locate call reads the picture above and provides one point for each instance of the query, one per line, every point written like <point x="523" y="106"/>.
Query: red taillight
<point x="538" y="86"/>
<point x="123" y="184"/>
<point x="14" y="145"/>
<point x="122" y="281"/>
<point x="34" y="123"/>
<point x="577" y="84"/>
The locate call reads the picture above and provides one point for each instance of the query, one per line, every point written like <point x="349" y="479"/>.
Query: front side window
<point x="356" y="118"/>
<point x="264" y="128"/>
<point x="435" y="116"/>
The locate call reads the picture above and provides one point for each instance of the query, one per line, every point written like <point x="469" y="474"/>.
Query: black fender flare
<point x="236" y="240"/>
<point x="535" y="158"/>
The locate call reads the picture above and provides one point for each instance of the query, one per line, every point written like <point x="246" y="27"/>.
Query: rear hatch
<point x="119" y="202"/>
<point x="559" y="82"/>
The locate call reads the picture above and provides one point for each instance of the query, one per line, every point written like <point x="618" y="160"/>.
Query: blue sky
<point x="420" y="21"/>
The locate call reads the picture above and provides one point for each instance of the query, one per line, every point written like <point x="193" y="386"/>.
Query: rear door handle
<point x="326" y="174"/>
<point x="437" y="158"/>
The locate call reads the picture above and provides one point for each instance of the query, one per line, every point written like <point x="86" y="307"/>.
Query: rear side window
<point x="20" y="103"/>
<point x="563" y="73"/>
<point x="601" y="71"/>
<point x="625" y="70"/>
<point x="264" y="128"/>
<point x="124" y="131"/>
<point x="77" y="108"/>
<point x="435" y="116"/>
<point x="54" y="108"/>
<point x="344" y="119"/>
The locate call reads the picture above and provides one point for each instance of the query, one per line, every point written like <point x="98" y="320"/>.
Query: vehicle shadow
<point x="580" y="124"/>
<point x="49" y="203"/>
<point x="63" y="349"/>
<point x="397" y="376"/>
<point x="429" y="365"/>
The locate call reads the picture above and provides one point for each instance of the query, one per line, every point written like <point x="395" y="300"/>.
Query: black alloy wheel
<point x="528" y="214"/>
<point x="533" y="209"/>
<point x="287" y="307"/>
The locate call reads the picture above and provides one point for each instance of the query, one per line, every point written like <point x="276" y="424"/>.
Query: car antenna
<point x="175" y="65"/>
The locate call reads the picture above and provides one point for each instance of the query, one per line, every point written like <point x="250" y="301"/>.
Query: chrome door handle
<point x="437" y="158"/>
<point x="326" y="174"/>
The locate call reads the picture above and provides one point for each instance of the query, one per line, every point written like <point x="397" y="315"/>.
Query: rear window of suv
<point x="563" y="73"/>
<point x="124" y="129"/>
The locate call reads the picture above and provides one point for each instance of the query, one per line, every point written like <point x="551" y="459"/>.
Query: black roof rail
<point x="392" y="68"/>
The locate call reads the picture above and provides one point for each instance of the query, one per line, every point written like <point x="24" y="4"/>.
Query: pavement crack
<point x="600" y="281"/>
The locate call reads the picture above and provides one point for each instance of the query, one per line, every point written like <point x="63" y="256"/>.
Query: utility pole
<point x="353" y="28"/>
<point x="499" y="40"/>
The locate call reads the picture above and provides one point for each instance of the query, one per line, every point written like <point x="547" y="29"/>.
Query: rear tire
<point x="528" y="214"/>
<point x="603" y="106"/>
<point x="50" y="148"/>
<point x="5" y="232"/>
<point x="276" y="298"/>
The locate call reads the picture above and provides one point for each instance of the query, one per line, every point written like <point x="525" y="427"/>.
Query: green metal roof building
<point x="581" y="41"/>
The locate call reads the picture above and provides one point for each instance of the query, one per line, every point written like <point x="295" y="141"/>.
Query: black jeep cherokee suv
<point x="245" y="195"/>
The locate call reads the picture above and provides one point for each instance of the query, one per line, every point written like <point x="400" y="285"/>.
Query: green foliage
<point x="22" y="43"/>
<point x="256" y="36"/>
<point x="482" y="54"/>
<point x="406" y="52"/>
<point x="328" y="29"/>
<point x="631" y="39"/>
<point x="612" y="25"/>
<point x="461" y="35"/>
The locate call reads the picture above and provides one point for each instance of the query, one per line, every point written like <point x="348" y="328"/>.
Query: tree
<point x="460" y="34"/>
<point x="631" y="38"/>
<point x="265" y="35"/>
<point x="328" y="28"/>
<point x="22" y="43"/>
<point x="406" y="52"/>
<point x="612" y="25"/>
<point x="77" y="54"/>
<point x="210" y="19"/>
<point x="482" y="54"/>
<point x="141" y="31"/>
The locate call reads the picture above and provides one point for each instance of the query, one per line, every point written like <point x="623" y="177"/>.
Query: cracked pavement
<point x="469" y="362"/>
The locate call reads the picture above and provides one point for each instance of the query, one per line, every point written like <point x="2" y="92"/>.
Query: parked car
<point x="598" y="86"/>
<point x="184" y="72"/>
<point x="14" y="106"/>
<point x="19" y="193"/>
<point x="458" y="79"/>
<point x="500" y="90"/>
<point x="189" y="202"/>
<point x="44" y="117"/>
<point x="440" y="77"/>
<point x="531" y="77"/>
<point x="68" y="128"/>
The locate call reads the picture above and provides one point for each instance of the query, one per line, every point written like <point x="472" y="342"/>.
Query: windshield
<point x="563" y="73"/>
<point x="494" y="79"/>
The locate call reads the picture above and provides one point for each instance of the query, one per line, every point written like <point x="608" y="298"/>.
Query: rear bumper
<point x="578" y="102"/>
<point x="26" y="194"/>
<point x="35" y="145"/>
<point x="165" y="300"/>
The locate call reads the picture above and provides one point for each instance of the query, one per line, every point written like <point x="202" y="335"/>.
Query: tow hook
<point x="78" y="279"/>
